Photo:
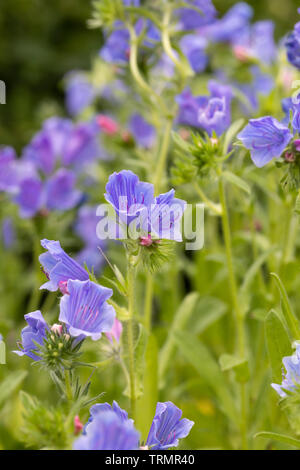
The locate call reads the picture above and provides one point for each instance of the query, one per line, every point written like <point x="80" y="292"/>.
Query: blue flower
<point x="85" y="311"/>
<point x="133" y="200"/>
<point x="82" y="145"/>
<point x="35" y="332"/>
<point x="266" y="138"/>
<point x="30" y="196"/>
<point x="8" y="232"/>
<point x="167" y="427"/>
<point x="60" y="192"/>
<point x="8" y="174"/>
<point x="291" y="378"/>
<point x="144" y="133"/>
<point x="108" y="432"/>
<point x="193" y="46"/>
<point x="80" y="93"/>
<point x="191" y="19"/>
<point x="59" y="267"/>
<point x="102" y="408"/>
<point x="116" y="47"/>
<point x="257" y="41"/>
<point x="292" y="44"/>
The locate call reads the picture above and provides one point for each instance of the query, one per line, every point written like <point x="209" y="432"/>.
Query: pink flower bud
<point x="289" y="157"/>
<point x="57" y="329"/>
<point x="115" y="332"/>
<point x="146" y="241"/>
<point x="241" y="53"/>
<point x="78" y="426"/>
<point x="63" y="287"/>
<point x="108" y="125"/>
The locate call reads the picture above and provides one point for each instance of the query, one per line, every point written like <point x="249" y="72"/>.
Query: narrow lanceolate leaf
<point x="237" y="181"/>
<point x="147" y="404"/>
<point x="278" y="344"/>
<point x="10" y="384"/>
<point x="287" y="310"/>
<point x="231" y="133"/>
<point x="201" y="359"/>
<point x="273" y="436"/>
<point x="181" y="318"/>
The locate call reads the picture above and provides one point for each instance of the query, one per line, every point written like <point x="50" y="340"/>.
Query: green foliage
<point x="278" y="344"/>
<point x="45" y="427"/>
<point x="106" y="12"/>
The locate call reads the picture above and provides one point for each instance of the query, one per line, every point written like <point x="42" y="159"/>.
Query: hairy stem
<point x="130" y="336"/>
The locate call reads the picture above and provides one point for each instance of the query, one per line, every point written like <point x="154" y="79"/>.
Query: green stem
<point x="148" y="302"/>
<point x="69" y="394"/>
<point x="163" y="155"/>
<point x="130" y="336"/>
<point x="235" y="301"/>
<point x="215" y="208"/>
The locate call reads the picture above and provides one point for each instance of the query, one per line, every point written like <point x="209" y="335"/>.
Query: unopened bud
<point x="57" y="329"/>
<point x="78" y="426"/>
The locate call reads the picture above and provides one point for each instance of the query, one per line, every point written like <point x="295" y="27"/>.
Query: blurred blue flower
<point x="80" y="93"/>
<point x="190" y="18"/>
<point x="292" y="44"/>
<point x="188" y="108"/>
<point x="35" y="332"/>
<point x="59" y="267"/>
<point x="82" y="146"/>
<point x="266" y="138"/>
<point x="134" y="3"/>
<point x="102" y="408"/>
<point x="291" y="376"/>
<point x="193" y="46"/>
<point x="108" y="432"/>
<point x="8" y="174"/>
<point x="85" y="311"/>
<point x="116" y="48"/>
<point x="8" y="232"/>
<point x="257" y="42"/>
<point x="60" y="192"/>
<point x="144" y="133"/>
<point x="30" y="197"/>
<point x="167" y="427"/>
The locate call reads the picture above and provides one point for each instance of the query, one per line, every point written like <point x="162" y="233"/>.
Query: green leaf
<point x="254" y="268"/>
<point x="231" y="133"/>
<point x="181" y="318"/>
<point x="2" y="353"/>
<point x="10" y="384"/>
<point x="207" y="311"/>
<point x="279" y="437"/>
<point x="237" y="181"/>
<point x="278" y="343"/>
<point x="147" y="404"/>
<point x="287" y="310"/>
<point x="201" y="359"/>
<point x="238" y="365"/>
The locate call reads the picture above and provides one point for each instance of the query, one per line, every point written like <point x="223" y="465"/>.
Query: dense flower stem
<point x="130" y="336"/>
<point x="238" y="312"/>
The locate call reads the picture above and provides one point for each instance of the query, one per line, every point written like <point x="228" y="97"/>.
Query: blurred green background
<point x="41" y="41"/>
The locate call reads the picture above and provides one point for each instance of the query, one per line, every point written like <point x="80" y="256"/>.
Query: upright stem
<point x="163" y="154"/>
<point x="148" y="302"/>
<point x="69" y="394"/>
<point x="238" y="312"/>
<point x="130" y="336"/>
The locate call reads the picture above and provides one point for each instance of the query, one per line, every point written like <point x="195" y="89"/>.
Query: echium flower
<point x="80" y="93"/>
<point x="108" y="432"/>
<point x="292" y="44"/>
<point x="190" y="18"/>
<point x="167" y="427"/>
<point x="291" y="375"/>
<point x="85" y="311"/>
<point x="34" y="333"/>
<point x="59" y="267"/>
<point x="134" y="201"/>
<point x="266" y="138"/>
<point x="144" y="133"/>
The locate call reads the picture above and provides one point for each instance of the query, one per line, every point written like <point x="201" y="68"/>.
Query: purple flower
<point x="292" y="44"/>
<point x="35" y="332"/>
<point x="193" y="46"/>
<point x="144" y="133"/>
<point x="30" y="197"/>
<point x="108" y="432"/>
<point x="231" y="26"/>
<point x="133" y="200"/>
<point x="258" y="41"/>
<point x="209" y="113"/>
<point x="95" y="410"/>
<point x="266" y="138"/>
<point x="59" y="267"/>
<point x="116" y="48"/>
<point x="85" y="311"/>
<point x="291" y="376"/>
<point x="167" y="427"/>
<point x="80" y="93"/>
<point x="40" y="153"/>
<point x="8" y="232"/>
<point x="8" y="165"/>
<point x="83" y="145"/>
<point x="134" y="3"/>
<point x="191" y="19"/>
<point x="60" y="192"/>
